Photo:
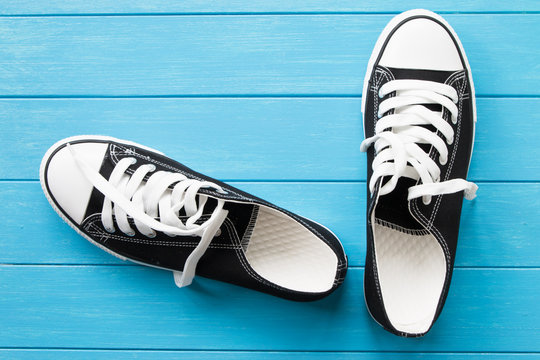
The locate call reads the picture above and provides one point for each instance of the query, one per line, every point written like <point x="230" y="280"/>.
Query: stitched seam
<point x="95" y="230"/>
<point x="373" y="256"/>
<point x="249" y="230"/>
<point x="456" y="143"/>
<point x="236" y="246"/>
<point x="384" y="75"/>
<point x="376" y="275"/>
<point x="437" y="234"/>
<point x="417" y="232"/>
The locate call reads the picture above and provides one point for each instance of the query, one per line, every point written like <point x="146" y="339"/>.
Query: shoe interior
<point x="284" y="252"/>
<point x="411" y="268"/>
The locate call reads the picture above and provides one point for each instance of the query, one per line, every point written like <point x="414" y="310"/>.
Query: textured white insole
<point x="411" y="269"/>
<point x="287" y="254"/>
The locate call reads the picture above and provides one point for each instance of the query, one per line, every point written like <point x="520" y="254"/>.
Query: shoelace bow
<point x="398" y="135"/>
<point x="127" y="195"/>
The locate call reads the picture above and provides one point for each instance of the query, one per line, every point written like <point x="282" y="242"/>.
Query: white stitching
<point x="456" y="142"/>
<point x="417" y="232"/>
<point x="95" y="230"/>
<point x="249" y="229"/>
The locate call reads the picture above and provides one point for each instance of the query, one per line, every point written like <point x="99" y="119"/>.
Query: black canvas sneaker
<point x="419" y="118"/>
<point x="137" y="204"/>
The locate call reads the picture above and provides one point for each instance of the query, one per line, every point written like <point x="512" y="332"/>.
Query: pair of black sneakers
<point x="419" y="116"/>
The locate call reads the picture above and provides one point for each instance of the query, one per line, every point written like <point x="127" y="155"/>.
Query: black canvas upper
<point x="224" y="259"/>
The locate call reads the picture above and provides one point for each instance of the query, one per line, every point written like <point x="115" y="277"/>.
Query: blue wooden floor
<point x="265" y="95"/>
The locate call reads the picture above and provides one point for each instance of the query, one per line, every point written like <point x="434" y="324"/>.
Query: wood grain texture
<point x="26" y="7"/>
<point x="494" y="231"/>
<point x="137" y="307"/>
<point x="232" y="55"/>
<point x="254" y="139"/>
<point x="270" y="98"/>
<point x="28" y="354"/>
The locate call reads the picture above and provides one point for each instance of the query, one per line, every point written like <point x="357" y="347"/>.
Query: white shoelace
<point x="397" y="137"/>
<point x="145" y="202"/>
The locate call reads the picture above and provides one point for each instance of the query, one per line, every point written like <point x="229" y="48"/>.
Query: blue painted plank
<point x="140" y="308"/>
<point x="495" y="230"/>
<point x="254" y="138"/>
<point x="193" y="55"/>
<point x="27" y="354"/>
<point x="25" y="7"/>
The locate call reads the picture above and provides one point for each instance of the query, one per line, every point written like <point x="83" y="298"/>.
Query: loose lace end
<point x="442" y="188"/>
<point x="185" y="277"/>
<point x="470" y="192"/>
<point x="180" y="280"/>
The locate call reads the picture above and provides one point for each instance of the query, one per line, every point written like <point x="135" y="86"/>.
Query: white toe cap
<point x="421" y="43"/>
<point x="65" y="182"/>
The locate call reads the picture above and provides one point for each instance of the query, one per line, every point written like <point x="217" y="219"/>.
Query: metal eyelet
<point x="151" y="235"/>
<point x="450" y="141"/>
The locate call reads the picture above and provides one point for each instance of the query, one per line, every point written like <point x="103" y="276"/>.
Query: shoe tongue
<point x="394" y="207"/>
<point x="208" y="209"/>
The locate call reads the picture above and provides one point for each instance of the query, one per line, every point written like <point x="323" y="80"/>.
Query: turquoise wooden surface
<point x="255" y="139"/>
<point x="238" y="55"/>
<point x="30" y="7"/>
<point x="132" y="307"/>
<point x="248" y="355"/>
<point x="265" y="95"/>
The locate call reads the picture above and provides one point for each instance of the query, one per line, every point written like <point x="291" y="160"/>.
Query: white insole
<point x="287" y="254"/>
<point x="411" y="267"/>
